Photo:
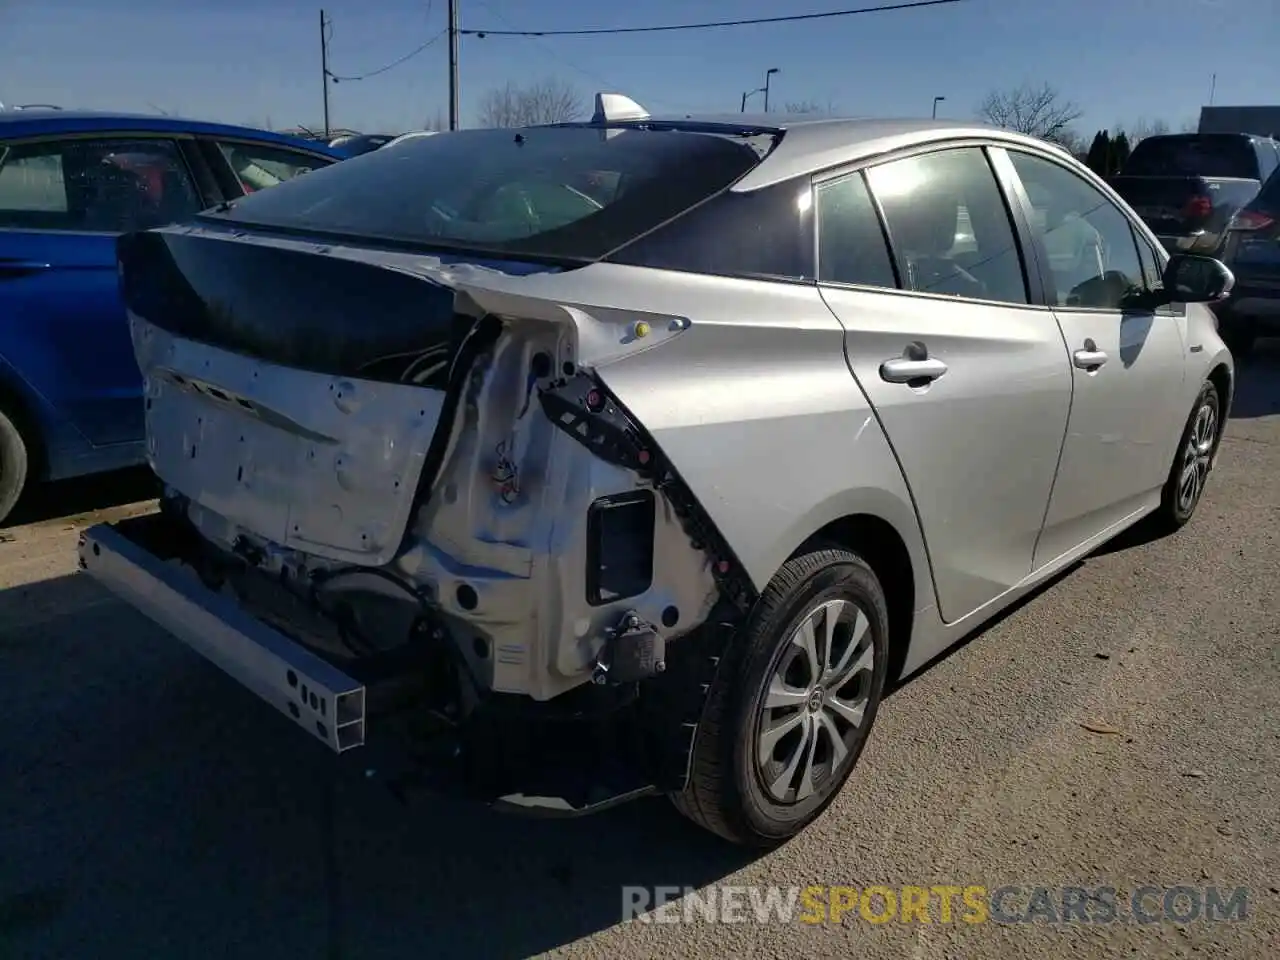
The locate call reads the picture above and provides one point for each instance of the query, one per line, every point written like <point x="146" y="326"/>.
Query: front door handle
<point x="1090" y="358"/>
<point x="908" y="370"/>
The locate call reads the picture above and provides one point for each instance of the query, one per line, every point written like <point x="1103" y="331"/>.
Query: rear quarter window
<point x="766" y="233"/>
<point x="851" y="241"/>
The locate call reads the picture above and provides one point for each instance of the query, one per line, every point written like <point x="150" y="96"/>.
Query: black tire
<point x="1175" y="508"/>
<point x="13" y="465"/>
<point x="726" y="793"/>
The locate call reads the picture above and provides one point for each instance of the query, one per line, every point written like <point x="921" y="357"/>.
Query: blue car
<point x="70" y="183"/>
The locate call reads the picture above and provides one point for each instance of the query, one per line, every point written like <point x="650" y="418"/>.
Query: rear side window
<point x="97" y="186"/>
<point x="1193" y="155"/>
<point x="949" y="226"/>
<point x="257" y="167"/>
<point x="765" y="233"/>
<point x="572" y="193"/>
<point x="851" y="244"/>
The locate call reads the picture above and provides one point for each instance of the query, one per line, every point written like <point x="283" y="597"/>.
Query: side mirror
<point x="1194" y="279"/>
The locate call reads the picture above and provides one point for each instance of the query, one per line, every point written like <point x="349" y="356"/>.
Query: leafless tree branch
<point x="1141" y="128"/>
<point x="547" y="101"/>
<point x="1035" y="111"/>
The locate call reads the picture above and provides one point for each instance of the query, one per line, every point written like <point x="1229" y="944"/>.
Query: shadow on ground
<point x="69" y="498"/>
<point x="1258" y="382"/>
<point x="152" y="807"/>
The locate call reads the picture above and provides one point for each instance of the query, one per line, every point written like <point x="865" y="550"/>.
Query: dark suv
<point x="1252" y="251"/>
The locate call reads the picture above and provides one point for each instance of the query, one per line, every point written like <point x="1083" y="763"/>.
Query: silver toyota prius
<point x="641" y="455"/>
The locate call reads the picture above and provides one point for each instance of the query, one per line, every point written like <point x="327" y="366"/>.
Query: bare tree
<point x="1072" y="140"/>
<point x="436" y="122"/>
<point x="1036" y="111"/>
<point x="1141" y="128"/>
<point x="805" y="107"/>
<point x="547" y="101"/>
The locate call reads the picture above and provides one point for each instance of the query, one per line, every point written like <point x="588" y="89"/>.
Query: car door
<point x="966" y="370"/>
<point x="242" y="165"/>
<point x="63" y="202"/>
<point x="1127" y="358"/>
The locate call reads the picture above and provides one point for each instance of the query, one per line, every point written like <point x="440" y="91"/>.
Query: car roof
<point x="46" y="122"/>
<point x="811" y="143"/>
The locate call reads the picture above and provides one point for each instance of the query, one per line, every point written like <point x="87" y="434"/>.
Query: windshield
<point x="573" y="193"/>
<point x="1194" y="155"/>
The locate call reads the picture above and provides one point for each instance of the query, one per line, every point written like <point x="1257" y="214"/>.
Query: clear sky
<point x="259" y="61"/>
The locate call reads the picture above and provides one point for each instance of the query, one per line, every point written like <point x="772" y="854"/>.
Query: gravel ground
<point x="153" y="809"/>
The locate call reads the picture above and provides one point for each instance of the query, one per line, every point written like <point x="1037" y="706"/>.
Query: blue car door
<point x="63" y="328"/>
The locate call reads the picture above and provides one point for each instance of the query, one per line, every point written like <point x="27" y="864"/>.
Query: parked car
<point x="1188" y="186"/>
<point x="70" y="182"/>
<point x="656" y="489"/>
<point x="1253" y="255"/>
<point x="353" y="145"/>
<point x="412" y="135"/>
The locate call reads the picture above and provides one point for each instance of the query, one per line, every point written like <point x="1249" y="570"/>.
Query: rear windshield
<point x="1194" y="155"/>
<point x="572" y="193"/>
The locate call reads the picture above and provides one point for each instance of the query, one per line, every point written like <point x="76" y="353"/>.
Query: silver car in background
<point x="643" y="455"/>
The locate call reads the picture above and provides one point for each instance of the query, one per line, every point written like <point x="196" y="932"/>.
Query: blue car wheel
<point x="13" y="465"/>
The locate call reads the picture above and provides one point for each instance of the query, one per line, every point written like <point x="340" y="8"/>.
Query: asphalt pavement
<point x="1120" y="728"/>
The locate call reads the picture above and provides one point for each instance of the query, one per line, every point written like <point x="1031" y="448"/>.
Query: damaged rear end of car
<point x="399" y="496"/>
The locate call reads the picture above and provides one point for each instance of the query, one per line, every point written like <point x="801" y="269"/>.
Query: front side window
<point x="99" y="186"/>
<point x="576" y="193"/>
<point x="949" y="226"/>
<point x="257" y="167"/>
<point x="1093" y="258"/>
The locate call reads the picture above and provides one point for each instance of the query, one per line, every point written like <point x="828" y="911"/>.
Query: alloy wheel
<point x="813" y="710"/>
<point x="1197" y="456"/>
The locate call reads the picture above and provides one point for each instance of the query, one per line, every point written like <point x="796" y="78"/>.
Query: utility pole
<point x="1213" y="88"/>
<point x="324" y="68"/>
<point x="454" y="98"/>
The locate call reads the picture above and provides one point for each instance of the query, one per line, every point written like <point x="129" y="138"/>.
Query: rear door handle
<point x="907" y="370"/>
<point x="1089" y="359"/>
<point x="21" y="268"/>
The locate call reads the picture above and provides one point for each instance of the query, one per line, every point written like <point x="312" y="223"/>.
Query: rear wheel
<point x="792" y="703"/>
<point x="13" y="465"/>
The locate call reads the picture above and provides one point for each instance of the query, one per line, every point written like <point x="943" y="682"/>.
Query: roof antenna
<point x="612" y="107"/>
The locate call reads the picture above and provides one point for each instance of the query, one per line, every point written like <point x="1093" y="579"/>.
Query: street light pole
<point x="767" y="74"/>
<point x="936" y="101"/>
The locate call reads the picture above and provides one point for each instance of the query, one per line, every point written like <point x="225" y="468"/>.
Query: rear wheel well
<point x="878" y="543"/>
<point x="1220" y="377"/>
<point x="14" y="406"/>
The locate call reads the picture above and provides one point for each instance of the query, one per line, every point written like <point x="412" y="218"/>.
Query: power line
<point x="393" y="64"/>
<point x="554" y="54"/>
<point x="671" y="27"/>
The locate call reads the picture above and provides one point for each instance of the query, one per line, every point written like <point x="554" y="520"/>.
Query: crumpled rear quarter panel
<point x="756" y="408"/>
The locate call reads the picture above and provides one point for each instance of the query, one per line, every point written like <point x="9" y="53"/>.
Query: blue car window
<point x="100" y="186"/>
